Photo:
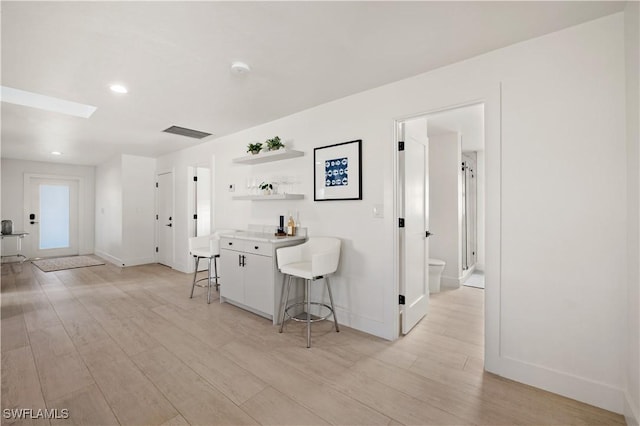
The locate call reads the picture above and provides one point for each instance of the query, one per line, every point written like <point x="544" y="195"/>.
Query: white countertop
<point x="260" y="236"/>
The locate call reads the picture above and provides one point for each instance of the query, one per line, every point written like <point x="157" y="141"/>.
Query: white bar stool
<point x="312" y="260"/>
<point x="207" y="247"/>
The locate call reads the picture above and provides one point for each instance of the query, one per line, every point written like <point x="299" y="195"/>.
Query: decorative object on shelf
<point x="274" y="144"/>
<point x="254" y="148"/>
<point x="280" y="231"/>
<point x="266" y="188"/>
<point x="338" y="171"/>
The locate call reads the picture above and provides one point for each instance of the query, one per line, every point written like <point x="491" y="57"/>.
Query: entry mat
<point x="60" y="263"/>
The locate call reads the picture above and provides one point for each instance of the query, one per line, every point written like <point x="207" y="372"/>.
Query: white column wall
<point x="109" y="208"/>
<point x="125" y="210"/>
<point x="555" y="236"/>
<point x="632" y="38"/>
<point x="138" y="216"/>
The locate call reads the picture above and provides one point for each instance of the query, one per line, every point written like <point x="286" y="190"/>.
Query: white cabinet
<point x="249" y="276"/>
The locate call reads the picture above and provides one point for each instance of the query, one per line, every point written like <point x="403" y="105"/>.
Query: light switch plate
<point x="378" y="211"/>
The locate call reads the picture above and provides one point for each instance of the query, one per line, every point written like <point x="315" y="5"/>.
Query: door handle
<point x="33" y="222"/>
<point x="169" y="225"/>
<point x="427" y="234"/>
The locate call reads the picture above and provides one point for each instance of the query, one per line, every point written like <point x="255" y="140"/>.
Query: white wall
<point x="13" y="172"/>
<point x="632" y="35"/>
<point x="138" y="219"/>
<point x="445" y="209"/>
<point x="125" y="210"/>
<point x="109" y="210"/>
<point x="563" y="213"/>
<point x="556" y="275"/>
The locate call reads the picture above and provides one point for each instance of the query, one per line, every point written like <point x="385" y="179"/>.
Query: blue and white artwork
<point x="336" y="172"/>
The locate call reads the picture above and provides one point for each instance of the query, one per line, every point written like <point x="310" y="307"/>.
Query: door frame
<point x="173" y="209"/>
<point x="492" y="100"/>
<point x="26" y="204"/>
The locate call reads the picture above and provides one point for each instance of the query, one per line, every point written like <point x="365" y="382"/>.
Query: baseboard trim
<point x="138" y="261"/>
<point x="366" y="325"/>
<point x="112" y="259"/>
<point x="631" y="412"/>
<point x="575" y="387"/>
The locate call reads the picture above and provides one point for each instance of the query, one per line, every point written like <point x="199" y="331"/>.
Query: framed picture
<point x="337" y="172"/>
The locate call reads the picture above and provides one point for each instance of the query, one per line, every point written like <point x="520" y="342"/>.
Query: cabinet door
<point x="258" y="283"/>
<point x="231" y="276"/>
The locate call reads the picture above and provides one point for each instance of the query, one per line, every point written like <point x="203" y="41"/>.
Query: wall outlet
<point x="232" y="188"/>
<point x="378" y="211"/>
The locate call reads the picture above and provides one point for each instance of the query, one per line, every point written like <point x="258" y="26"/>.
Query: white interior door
<point x="52" y="216"/>
<point x="164" y="222"/>
<point x="414" y="250"/>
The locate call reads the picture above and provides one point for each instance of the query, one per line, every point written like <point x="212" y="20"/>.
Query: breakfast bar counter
<point x="249" y="276"/>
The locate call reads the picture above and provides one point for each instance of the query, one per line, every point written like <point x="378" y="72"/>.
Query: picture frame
<point x="337" y="174"/>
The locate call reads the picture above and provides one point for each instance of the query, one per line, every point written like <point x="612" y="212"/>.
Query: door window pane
<point x="54" y="216"/>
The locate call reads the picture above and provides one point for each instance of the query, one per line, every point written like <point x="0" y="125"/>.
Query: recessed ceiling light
<point x="48" y="103"/>
<point x="118" y="88"/>
<point x="56" y="153"/>
<point x="240" y="67"/>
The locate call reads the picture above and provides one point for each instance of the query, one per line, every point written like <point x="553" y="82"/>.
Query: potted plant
<point x="274" y="144"/>
<point x="254" y="148"/>
<point x="266" y="188"/>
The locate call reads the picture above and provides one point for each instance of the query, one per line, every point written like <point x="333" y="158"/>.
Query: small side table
<point x="19" y="236"/>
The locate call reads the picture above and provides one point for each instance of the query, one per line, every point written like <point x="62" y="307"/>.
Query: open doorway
<point x="456" y="201"/>
<point x="447" y="182"/>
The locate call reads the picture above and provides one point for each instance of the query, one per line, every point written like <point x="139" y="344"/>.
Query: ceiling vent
<point x="183" y="131"/>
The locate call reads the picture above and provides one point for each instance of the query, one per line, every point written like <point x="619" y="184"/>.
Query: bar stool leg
<point x="209" y="282"/>
<point x="333" y="309"/>
<point x="215" y="268"/>
<point x="307" y="287"/>
<point x="284" y="304"/>
<point x="195" y="274"/>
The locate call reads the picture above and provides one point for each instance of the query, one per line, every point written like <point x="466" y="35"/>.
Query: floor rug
<point x="475" y="280"/>
<point x="60" y="263"/>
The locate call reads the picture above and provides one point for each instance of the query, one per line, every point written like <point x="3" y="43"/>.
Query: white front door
<point x="52" y="216"/>
<point x="414" y="249"/>
<point x="164" y="222"/>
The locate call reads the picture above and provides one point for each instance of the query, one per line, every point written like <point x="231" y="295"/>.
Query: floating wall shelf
<point x="265" y="157"/>
<point x="269" y="197"/>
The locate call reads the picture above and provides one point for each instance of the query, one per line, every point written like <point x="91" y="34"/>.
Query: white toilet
<point x="436" y="266"/>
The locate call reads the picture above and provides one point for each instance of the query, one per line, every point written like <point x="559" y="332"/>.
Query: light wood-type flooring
<point x="128" y="346"/>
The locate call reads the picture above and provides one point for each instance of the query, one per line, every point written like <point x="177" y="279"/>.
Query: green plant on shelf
<point x="266" y="188"/>
<point x="274" y="144"/>
<point x="254" y="148"/>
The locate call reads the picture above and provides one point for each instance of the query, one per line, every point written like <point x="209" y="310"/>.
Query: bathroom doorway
<point x="456" y="198"/>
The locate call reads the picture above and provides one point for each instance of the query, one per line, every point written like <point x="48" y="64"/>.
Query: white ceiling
<point x="175" y="58"/>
